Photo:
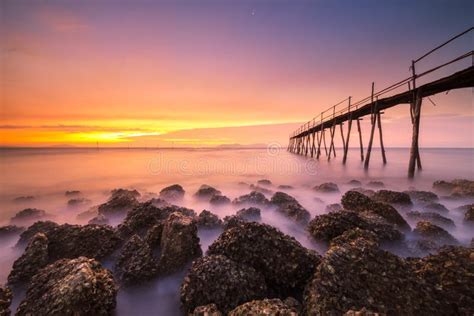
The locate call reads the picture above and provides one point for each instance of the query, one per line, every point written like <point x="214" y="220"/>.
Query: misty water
<point x="46" y="174"/>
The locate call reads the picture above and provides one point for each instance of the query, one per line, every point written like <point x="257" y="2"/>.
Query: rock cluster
<point x="358" y="275"/>
<point x="209" y="220"/>
<point x="77" y="286"/>
<point x="436" y="234"/>
<point x="284" y="262"/>
<point x="359" y="202"/>
<point x="263" y="308"/>
<point x="220" y="280"/>
<point x="392" y="197"/>
<point x="219" y="200"/>
<point x="327" y="187"/>
<point x="121" y="200"/>
<point x="78" y="202"/>
<point x="206" y="192"/>
<point x="10" y="231"/>
<point x="28" y="215"/>
<point x="250" y="214"/>
<point x="434" y="218"/>
<point x="422" y="196"/>
<point x="458" y="188"/>
<point x="253" y="198"/>
<point x="435" y="207"/>
<point x="290" y="207"/>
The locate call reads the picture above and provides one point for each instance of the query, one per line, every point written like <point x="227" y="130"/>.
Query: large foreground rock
<point x="284" y="262"/>
<point x="359" y="202"/>
<point x="290" y="207"/>
<point x="136" y="263"/>
<point x="264" y="307"/>
<point x="179" y="243"/>
<point x="5" y="301"/>
<point x="358" y="275"/>
<point x="219" y="280"/>
<point x="451" y="273"/>
<point x="70" y="287"/>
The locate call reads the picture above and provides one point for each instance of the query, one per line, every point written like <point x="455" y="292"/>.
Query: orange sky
<point x="203" y="75"/>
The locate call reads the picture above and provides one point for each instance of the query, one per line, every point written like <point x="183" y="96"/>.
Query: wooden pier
<point x="310" y="138"/>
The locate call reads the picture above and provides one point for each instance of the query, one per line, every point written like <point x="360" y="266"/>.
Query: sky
<point x="210" y="73"/>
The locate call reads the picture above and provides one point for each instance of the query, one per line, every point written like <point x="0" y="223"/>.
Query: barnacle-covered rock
<point x="325" y="227"/>
<point x="392" y="197"/>
<point x="38" y="227"/>
<point x="422" y="196"/>
<point x="233" y="221"/>
<point x="469" y="215"/>
<point x="206" y="310"/>
<point x="361" y="312"/>
<point x="220" y="280"/>
<point x="359" y="202"/>
<point x="327" y="187"/>
<point x="10" y="231"/>
<point x="121" y="200"/>
<point x="335" y="207"/>
<point x="206" y="192"/>
<point x="429" y="231"/>
<point x="366" y="192"/>
<point x="434" y="218"/>
<point x="179" y="243"/>
<point x="290" y="207"/>
<point x="78" y="202"/>
<point x="264" y="307"/>
<point x="77" y="286"/>
<point x="451" y="273"/>
<point x="207" y="219"/>
<point x="136" y="263"/>
<point x="435" y="207"/>
<point x="253" y="198"/>
<point x="284" y="262"/>
<point x="172" y="192"/>
<point x="6" y="297"/>
<point x="357" y="275"/>
<point x="460" y="188"/>
<point x="99" y="220"/>
<point x="219" y="200"/>
<point x="250" y="214"/>
<point x="29" y="215"/>
<point x="354" y="234"/>
<point x="33" y="258"/>
<point x="153" y="235"/>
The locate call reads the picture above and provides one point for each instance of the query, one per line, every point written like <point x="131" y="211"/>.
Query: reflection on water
<point x="46" y="174"/>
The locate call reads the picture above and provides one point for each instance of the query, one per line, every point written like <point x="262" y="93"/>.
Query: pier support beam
<point x="373" y="120"/>
<point x="382" y="148"/>
<point x="346" y="145"/>
<point x="360" y="141"/>
<point x="415" y="151"/>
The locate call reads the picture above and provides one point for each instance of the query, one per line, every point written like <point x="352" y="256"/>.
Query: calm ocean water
<point x="46" y="174"/>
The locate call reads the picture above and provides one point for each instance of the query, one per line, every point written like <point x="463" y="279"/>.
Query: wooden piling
<point x="382" y="148"/>
<point x="414" y="150"/>
<point x="373" y="119"/>
<point x="346" y="147"/>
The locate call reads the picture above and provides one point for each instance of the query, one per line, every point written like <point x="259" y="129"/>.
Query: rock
<point x="326" y="227"/>
<point x="172" y="193"/>
<point x="422" y="196"/>
<point x="285" y="187"/>
<point x="78" y="202"/>
<point x="464" y="208"/>
<point x="159" y="202"/>
<point x="145" y="216"/>
<point x="136" y="263"/>
<point x="24" y="199"/>
<point x="208" y="220"/>
<point x="72" y="193"/>
<point x="459" y="188"/>
<point x="358" y="274"/>
<point x="335" y="207"/>
<point x="219" y="280"/>
<point x="179" y="243"/>
<point x="28" y="215"/>
<point x="206" y="192"/>
<point x="121" y="201"/>
<point x="362" y="312"/>
<point x="6" y="297"/>
<point x="253" y="198"/>
<point x="233" y="221"/>
<point x="359" y="202"/>
<point x="375" y="184"/>
<point x="355" y="183"/>
<point x="99" y="220"/>
<point x="327" y="187"/>
<point x="260" y="189"/>
<point x="77" y="286"/>
<point x="153" y="235"/>
<point x="451" y="273"/>
<point x="434" y="218"/>
<point x="285" y="264"/>
<point x="90" y="213"/>
<point x="33" y="258"/>
<point x="366" y="192"/>
<point x="10" y="231"/>
<point x="251" y="214"/>
<point x="469" y="215"/>
<point x="427" y="230"/>
<point x="290" y="207"/>
<point x="435" y="207"/>
<point x="206" y="310"/>
<point x="38" y="227"/>
<point x="264" y="182"/>
<point x="219" y="200"/>
<point x="352" y="235"/>
<point x="392" y="197"/>
<point x="264" y="307"/>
